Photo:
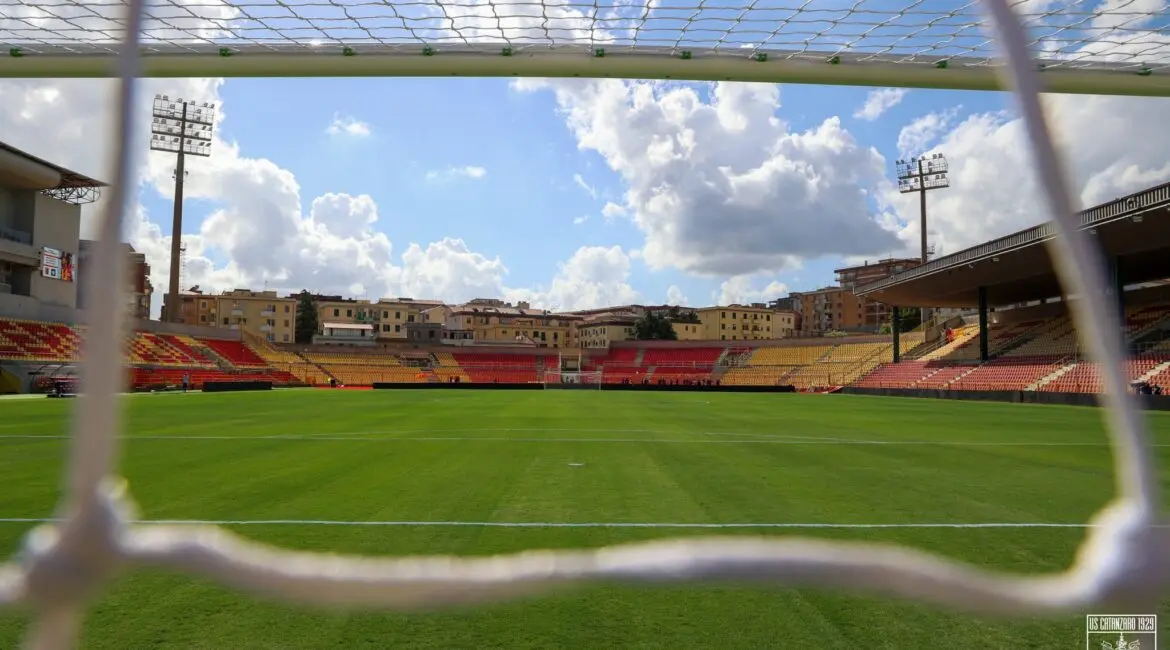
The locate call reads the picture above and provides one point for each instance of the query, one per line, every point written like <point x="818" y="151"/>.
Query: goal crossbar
<point x="573" y="61"/>
<point x="1080" y="47"/>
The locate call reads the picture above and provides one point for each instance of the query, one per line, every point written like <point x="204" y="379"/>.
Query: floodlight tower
<point x="923" y="174"/>
<point x="182" y="128"/>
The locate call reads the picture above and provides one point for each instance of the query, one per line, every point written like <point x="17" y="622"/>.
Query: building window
<point x="397" y="328"/>
<point x="349" y="313"/>
<point x="286" y="338"/>
<point x="286" y="322"/>
<point x="225" y="320"/>
<point x="286" y="309"/>
<point x="203" y="304"/>
<point x="410" y="318"/>
<point x="336" y="312"/>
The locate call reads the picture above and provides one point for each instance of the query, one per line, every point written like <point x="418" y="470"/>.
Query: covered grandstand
<point x="1023" y="338"/>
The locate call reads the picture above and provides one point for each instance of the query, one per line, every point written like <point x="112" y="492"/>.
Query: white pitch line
<point x="377" y="437"/>
<point x="546" y="524"/>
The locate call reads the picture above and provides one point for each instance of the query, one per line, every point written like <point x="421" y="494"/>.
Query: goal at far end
<point x="569" y="380"/>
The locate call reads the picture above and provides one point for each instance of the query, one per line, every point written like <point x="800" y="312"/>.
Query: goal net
<point x="565" y="379"/>
<point x="1106" y="47"/>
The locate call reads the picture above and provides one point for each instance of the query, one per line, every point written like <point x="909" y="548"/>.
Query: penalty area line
<point x="548" y="524"/>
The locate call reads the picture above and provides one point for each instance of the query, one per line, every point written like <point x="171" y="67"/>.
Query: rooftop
<point x="27" y="171"/>
<point x="1133" y="232"/>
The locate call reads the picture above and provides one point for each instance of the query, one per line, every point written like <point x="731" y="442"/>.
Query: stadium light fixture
<point x="184" y="128"/>
<point x="921" y="175"/>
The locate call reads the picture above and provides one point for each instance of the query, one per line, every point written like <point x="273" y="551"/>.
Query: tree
<point x="908" y="319"/>
<point x="677" y="315"/>
<point x="307" y="321"/>
<point x="654" y="328"/>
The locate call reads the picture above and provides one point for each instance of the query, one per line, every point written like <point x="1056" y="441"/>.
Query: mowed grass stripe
<point x="470" y="480"/>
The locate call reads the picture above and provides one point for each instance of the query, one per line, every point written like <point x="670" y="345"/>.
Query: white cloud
<point x="577" y="221"/>
<point x="346" y="125"/>
<point x="741" y="289"/>
<point x="612" y="211"/>
<point x="473" y="172"/>
<point x="878" y="102"/>
<point x="334" y="244"/>
<point x="596" y="276"/>
<point x="674" y="296"/>
<point x="1111" y="146"/>
<point x="585" y="186"/>
<point x="918" y="136"/>
<point x="725" y="188"/>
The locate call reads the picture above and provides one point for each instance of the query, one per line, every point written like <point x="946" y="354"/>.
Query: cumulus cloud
<point x="878" y="102"/>
<point x="596" y="276"/>
<point x="262" y="230"/>
<point x="742" y="289"/>
<point x="674" y="296"/>
<point x="924" y="131"/>
<point x="1111" y="146"/>
<point x="725" y="187"/>
<point x="612" y="211"/>
<point x="346" y="125"/>
<point x="473" y="172"/>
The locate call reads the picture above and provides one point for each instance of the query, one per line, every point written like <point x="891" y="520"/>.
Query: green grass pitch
<point x="578" y="456"/>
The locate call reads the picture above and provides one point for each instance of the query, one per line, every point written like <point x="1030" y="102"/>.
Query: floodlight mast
<point x="921" y="175"/>
<point x="180" y="127"/>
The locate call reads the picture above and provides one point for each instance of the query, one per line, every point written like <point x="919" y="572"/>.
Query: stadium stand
<point x="446" y="368"/>
<point x="616" y="365"/>
<point x="236" y="353"/>
<point x="499" y="368"/>
<point x="22" y="340"/>
<point x="302" y="370"/>
<point x="364" y="369"/>
<point x="156" y="359"/>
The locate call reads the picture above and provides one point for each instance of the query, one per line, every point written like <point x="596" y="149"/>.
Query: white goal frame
<point x="579" y="379"/>
<point x="1124" y="562"/>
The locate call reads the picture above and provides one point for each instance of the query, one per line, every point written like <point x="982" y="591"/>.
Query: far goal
<point x="559" y="379"/>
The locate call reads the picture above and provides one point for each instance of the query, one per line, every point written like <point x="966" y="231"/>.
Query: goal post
<point x="557" y="379"/>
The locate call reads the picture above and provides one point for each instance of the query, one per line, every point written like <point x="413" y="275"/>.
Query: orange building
<point x="838" y="309"/>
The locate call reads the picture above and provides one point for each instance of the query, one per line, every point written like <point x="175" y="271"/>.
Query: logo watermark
<point x="1121" y="632"/>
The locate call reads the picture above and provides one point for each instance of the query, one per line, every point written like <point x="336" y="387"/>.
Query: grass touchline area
<point x="998" y="485"/>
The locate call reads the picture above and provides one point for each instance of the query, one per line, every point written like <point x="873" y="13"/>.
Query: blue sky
<point x="523" y="210"/>
<point x="714" y="190"/>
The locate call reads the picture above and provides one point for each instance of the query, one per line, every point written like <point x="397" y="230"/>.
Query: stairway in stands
<point x="201" y="348"/>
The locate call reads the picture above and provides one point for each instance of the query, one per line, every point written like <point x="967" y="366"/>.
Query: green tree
<point x="911" y="318"/>
<point x="908" y="319"/>
<point x="654" y="328"/>
<point x="306" y="318"/>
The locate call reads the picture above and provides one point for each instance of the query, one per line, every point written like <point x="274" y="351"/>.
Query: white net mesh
<point x="934" y="43"/>
<point x="1124" y="563"/>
